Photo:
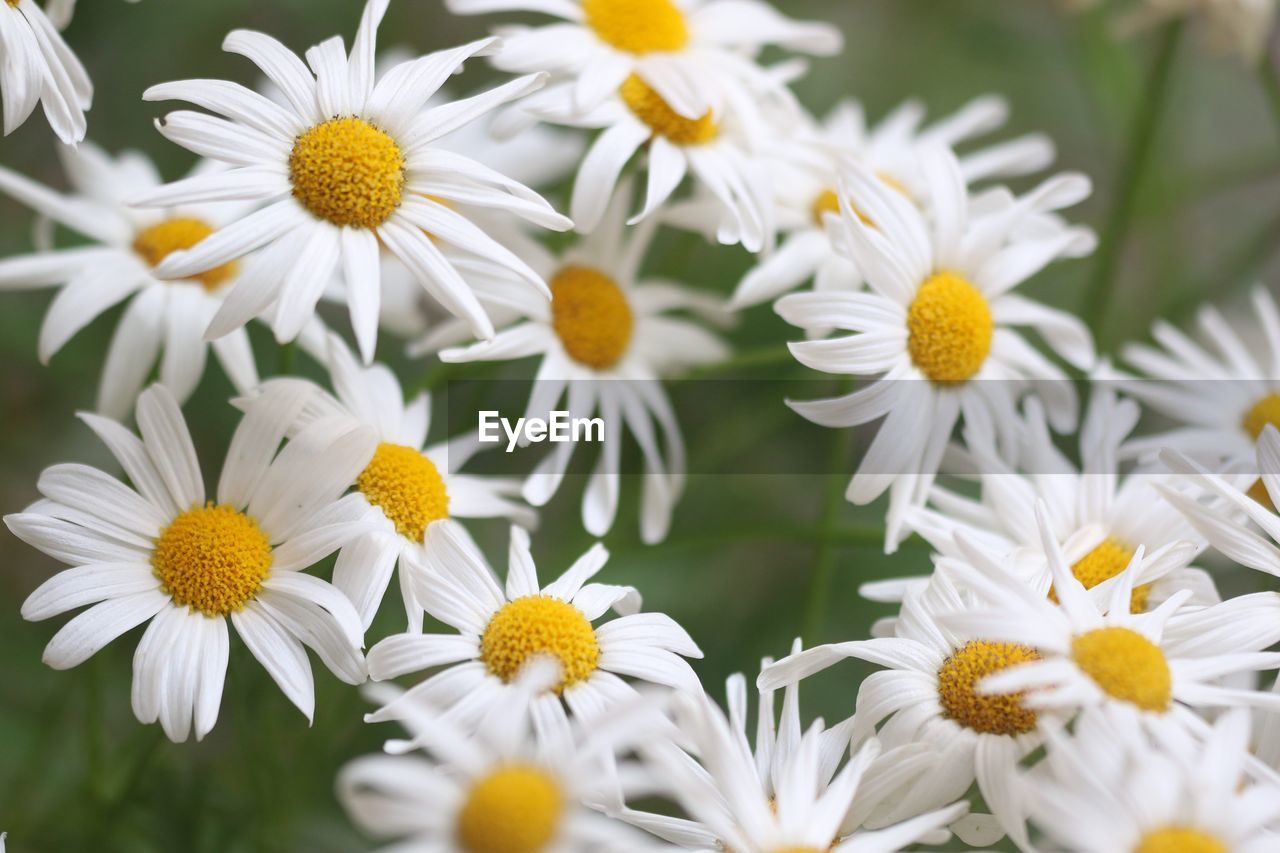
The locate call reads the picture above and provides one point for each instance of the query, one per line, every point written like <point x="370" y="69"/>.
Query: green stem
<point x="1271" y="86"/>
<point x="1134" y="166"/>
<point x="287" y="355"/>
<point x="766" y="356"/>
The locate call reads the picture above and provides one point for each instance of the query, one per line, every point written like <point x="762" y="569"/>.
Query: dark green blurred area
<point x="76" y="770"/>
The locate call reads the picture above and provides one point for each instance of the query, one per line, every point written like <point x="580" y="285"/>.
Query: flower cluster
<point x="1065" y="656"/>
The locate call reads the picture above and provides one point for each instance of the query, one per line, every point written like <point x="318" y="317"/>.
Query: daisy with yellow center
<point x="791" y="790"/>
<point x="347" y="164"/>
<point x="503" y="630"/>
<point x="807" y="173"/>
<point x="164" y="320"/>
<point x="694" y="56"/>
<point x="1098" y="512"/>
<point x="1151" y="794"/>
<point x="1220" y="388"/>
<point x="606" y="340"/>
<point x="1150" y="665"/>
<point x="494" y="787"/>
<point x="161" y="551"/>
<point x="930" y="692"/>
<point x="936" y="330"/>
<point x="39" y="68"/>
<point x="405" y="483"/>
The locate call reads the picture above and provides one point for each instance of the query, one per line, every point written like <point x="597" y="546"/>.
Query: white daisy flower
<point x="1144" y="664"/>
<point x="160" y="552"/>
<point x="1149" y="796"/>
<point x="348" y="166"/>
<point x="717" y="147"/>
<point x="809" y="166"/>
<point x="1099" y="516"/>
<point x="786" y="792"/>
<point x="405" y="483"/>
<point x="37" y="66"/>
<point x="606" y="339"/>
<point x="499" y="789"/>
<point x="1220" y="391"/>
<point x="500" y="629"/>
<point x="694" y="54"/>
<point x="164" y="320"/>
<point x="937" y="325"/>
<point x="929" y="693"/>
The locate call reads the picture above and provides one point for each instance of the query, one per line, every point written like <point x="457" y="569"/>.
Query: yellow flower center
<point x="515" y="809"/>
<point x="1179" y="839"/>
<point x="650" y="108"/>
<point x="828" y="201"/>
<point x="1102" y="564"/>
<point x="540" y="624"/>
<point x="637" y="26"/>
<point x="1258" y="491"/>
<point x="591" y="316"/>
<point x="212" y="558"/>
<point x="348" y="172"/>
<point x="1265" y="411"/>
<point x="989" y="713"/>
<point x="949" y="328"/>
<point x="1126" y="666"/>
<point x="407" y="487"/>
<point x="156" y="243"/>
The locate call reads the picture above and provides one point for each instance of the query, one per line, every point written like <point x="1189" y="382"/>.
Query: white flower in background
<point x="786" y="792"/>
<point x="1098" y="515"/>
<point x="1220" y="391"/>
<point x="716" y="147"/>
<point x="809" y="165"/>
<point x="498" y="789"/>
<point x="935" y="332"/>
<point x="501" y="629"/>
<point x="350" y="165"/>
<point x="1241" y="26"/>
<point x="164" y="320"/>
<point x="1113" y="787"/>
<point x="695" y="55"/>
<point x="606" y="339"/>
<point x="160" y="552"/>
<point x="1159" y="666"/>
<point x="405" y="483"/>
<point x="37" y="66"/>
<point x="928" y="693"/>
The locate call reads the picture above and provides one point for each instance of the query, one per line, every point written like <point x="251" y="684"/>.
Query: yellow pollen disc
<point x="212" y="558"/>
<point x="156" y="243"/>
<point x="1258" y="491"/>
<point x="1179" y="839"/>
<point x="1126" y="665"/>
<point x="637" y="26"/>
<point x="1102" y="564"/>
<point x="1265" y="411"/>
<point x="591" y="316"/>
<point x="650" y="108"/>
<point x="348" y="172"/>
<point x="828" y="201"/>
<point x="515" y="809"/>
<point x="800" y="850"/>
<point x="949" y="328"/>
<point x="989" y="713"/>
<point x="540" y="624"/>
<point x="407" y="487"/>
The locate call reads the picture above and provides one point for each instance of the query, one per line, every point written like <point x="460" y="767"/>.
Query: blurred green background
<point x="76" y="770"/>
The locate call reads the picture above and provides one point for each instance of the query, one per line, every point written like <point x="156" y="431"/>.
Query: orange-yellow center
<point x="157" y="242"/>
<point x="637" y="26"/>
<point x="1180" y="839"/>
<point x="988" y="713"/>
<point x="348" y="172"/>
<point x="540" y="625"/>
<point x="407" y="487"/>
<point x="1126" y="666"/>
<point x="514" y="809"/>
<point x="591" y="316"/>
<point x="949" y="327"/>
<point x="1103" y="563"/>
<point x="648" y="106"/>
<point x="212" y="559"/>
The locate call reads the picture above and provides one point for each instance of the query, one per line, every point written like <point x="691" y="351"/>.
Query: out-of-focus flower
<point x="406" y="484"/>
<point x="348" y="166"/>
<point x="160" y="552"/>
<point x="807" y="169"/>
<point x="936" y="331"/>
<point x="501" y="629"/>
<point x="606" y="339"/>
<point x="165" y="319"/>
